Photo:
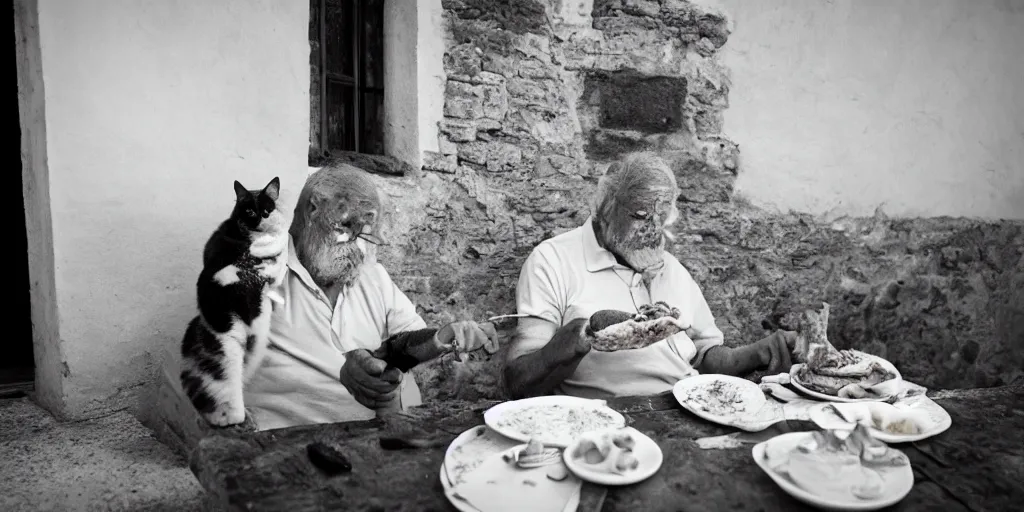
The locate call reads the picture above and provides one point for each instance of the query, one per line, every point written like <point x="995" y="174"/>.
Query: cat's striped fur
<point x="244" y="261"/>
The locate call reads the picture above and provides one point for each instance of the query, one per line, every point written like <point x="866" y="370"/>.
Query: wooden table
<point x="976" y="465"/>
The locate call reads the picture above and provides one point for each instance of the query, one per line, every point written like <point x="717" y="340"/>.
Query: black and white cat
<point x="244" y="262"/>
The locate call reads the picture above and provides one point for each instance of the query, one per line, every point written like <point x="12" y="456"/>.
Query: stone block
<point x="463" y="59"/>
<point x="516" y="16"/>
<point x="438" y="162"/>
<point x="488" y="125"/>
<point x="463" y="100"/>
<point x="495" y="156"/>
<point x="446" y="146"/>
<point x="458" y="130"/>
<point x="495" y="101"/>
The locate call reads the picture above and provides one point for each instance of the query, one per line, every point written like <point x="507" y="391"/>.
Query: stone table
<point x="976" y="465"/>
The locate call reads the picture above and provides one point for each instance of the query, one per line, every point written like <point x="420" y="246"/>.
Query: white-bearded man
<point x="616" y="261"/>
<point x="339" y="306"/>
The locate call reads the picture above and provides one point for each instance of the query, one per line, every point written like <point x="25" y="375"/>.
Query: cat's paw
<point x="226" y="415"/>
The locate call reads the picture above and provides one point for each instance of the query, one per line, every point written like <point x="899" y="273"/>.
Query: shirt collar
<point x="598" y="258"/>
<point x="295" y="266"/>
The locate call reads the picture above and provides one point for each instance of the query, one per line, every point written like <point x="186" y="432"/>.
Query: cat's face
<point x="256" y="210"/>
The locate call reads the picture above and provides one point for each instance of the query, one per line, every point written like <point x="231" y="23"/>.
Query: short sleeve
<point x="401" y="312"/>
<point x="705" y="333"/>
<point x="537" y="293"/>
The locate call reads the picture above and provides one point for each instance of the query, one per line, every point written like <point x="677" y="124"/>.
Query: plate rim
<point x="465" y="506"/>
<point x="797" y="492"/>
<point x="721" y="420"/>
<point x="490" y="419"/>
<point x="829" y="398"/>
<point x="612" y="479"/>
<point x="886" y="437"/>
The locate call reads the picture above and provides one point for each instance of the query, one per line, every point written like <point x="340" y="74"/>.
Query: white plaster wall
<point x="413" y="78"/>
<point x="153" y="108"/>
<point x="841" y="106"/>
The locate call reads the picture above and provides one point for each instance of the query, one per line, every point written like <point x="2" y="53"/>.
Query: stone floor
<point x="110" y="463"/>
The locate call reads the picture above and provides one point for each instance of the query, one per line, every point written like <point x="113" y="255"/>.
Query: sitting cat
<point x="243" y="264"/>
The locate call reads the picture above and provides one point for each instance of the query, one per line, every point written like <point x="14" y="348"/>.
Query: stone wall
<point x="541" y="95"/>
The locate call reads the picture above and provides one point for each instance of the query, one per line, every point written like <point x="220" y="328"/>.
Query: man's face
<point x="636" y="226"/>
<point x="332" y="245"/>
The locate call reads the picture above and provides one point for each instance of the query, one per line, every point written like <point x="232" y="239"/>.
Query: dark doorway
<point x="16" y="365"/>
<point x="347" y="77"/>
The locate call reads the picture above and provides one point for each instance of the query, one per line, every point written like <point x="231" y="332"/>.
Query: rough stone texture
<point x="108" y="463"/>
<point x="535" y="110"/>
<point x="377" y="164"/>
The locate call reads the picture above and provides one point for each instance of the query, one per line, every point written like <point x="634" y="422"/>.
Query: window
<point x="346" y="77"/>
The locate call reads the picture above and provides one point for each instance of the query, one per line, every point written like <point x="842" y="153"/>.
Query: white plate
<point x="493" y="416"/>
<point x="895" y="383"/>
<point x="933" y="418"/>
<point x="459" y="503"/>
<point x="646" y="451"/>
<point x="898" y="481"/>
<point x="757" y="413"/>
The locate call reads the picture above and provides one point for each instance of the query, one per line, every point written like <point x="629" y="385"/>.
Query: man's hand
<point x="365" y="378"/>
<point x="468" y="336"/>
<point x="775" y="351"/>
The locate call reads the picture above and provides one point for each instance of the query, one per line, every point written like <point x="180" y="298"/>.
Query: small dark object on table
<point x="328" y="458"/>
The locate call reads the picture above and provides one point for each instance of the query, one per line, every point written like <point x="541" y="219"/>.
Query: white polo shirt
<point x="297" y="384"/>
<point x="570" y="276"/>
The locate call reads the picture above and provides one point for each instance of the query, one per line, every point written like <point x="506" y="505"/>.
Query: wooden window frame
<point x="357" y="83"/>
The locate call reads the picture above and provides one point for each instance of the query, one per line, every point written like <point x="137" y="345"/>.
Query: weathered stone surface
<point x="458" y="130"/>
<point x="439" y="162"/>
<point x="377" y="164"/>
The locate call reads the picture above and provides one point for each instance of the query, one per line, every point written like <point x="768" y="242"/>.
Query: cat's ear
<point x="273" y="189"/>
<point x="240" y="191"/>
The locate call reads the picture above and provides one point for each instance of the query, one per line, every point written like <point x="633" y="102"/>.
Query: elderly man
<point x="339" y="304"/>
<point x="616" y="261"/>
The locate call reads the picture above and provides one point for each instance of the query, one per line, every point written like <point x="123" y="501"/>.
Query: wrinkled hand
<point x="775" y="351"/>
<point x="467" y="336"/>
<point x="365" y="378"/>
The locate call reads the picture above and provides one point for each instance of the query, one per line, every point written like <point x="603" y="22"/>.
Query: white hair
<point x="632" y="174"/>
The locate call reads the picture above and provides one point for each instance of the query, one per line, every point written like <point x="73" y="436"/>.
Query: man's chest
<point x="308" y="320"/>
<point x="619" y="290"/>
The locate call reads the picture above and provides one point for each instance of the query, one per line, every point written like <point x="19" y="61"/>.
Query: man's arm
<point x="543" y="355"/>
<point x="771" y="352"/>
<point x="730" y="361"/>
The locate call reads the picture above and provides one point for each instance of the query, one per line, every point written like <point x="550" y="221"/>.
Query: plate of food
<point x="614" y="457"/>
<point x="837" y="469"/>
<point x="484" y="471"/>
<point x="838" y="375"/>
<point x="911" y="420"/>
<point x="726" y="400"/>
<point x="555" y="421"/>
